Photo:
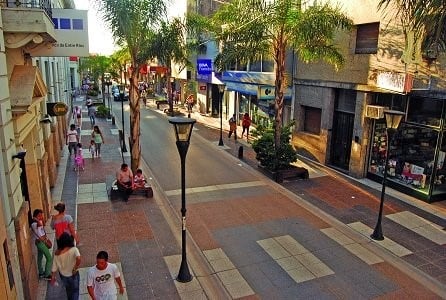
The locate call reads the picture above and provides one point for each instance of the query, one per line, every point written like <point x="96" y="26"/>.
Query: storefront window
<point x="440" y="170"/>
<point x="411" y="155"/>
<point x="425" y="111"/>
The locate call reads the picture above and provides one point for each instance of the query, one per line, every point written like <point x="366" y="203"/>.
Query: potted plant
<point x="102" y="111"/>
<point x="277" y="163"/>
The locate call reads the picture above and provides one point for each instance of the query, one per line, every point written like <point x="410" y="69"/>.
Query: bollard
<point x="113" y="120"/>
<point x="240" y="152"/>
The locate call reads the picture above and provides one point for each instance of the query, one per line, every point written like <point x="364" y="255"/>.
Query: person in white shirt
<point x="72" y="139"/>
<point x="101" y="279"/>
<point x="67" y="260"/>
<point x="42" y="250"/>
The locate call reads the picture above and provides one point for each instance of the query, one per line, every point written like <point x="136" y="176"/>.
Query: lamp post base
<point x="220" y="142"/>
<point x="377" y="234"/>
<point x="184" y="274"/>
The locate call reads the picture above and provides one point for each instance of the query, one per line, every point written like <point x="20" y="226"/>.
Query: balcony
<point x="27" y="22"/>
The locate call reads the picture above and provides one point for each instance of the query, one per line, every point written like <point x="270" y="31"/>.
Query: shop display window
<point x="425" y="111"/>
<point x="440" y="170"/>
<point x="411" y="155"/>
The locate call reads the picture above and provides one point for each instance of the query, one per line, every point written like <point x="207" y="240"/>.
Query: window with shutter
<point x="312" y="122"/>
<point x="367" y="38"/>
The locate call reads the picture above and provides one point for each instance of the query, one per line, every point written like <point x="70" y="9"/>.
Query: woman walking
<point x="96" y="135"/>
<point x="67" y="260"/>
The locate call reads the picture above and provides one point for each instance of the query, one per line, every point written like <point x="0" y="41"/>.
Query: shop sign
<point x="71" y="30"/>
<point x="266" y="92"/>
<point x="398" y="82"/>
<point x="202" y="87"/>
<point x="57" y="109"/>
<point x="204" y="66"/>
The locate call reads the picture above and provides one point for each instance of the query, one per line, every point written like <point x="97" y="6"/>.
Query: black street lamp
<point x="121" y="98"/>
<point x="183" y="131"/>
<point x="393" y="119"/>
<point x="221" y="89"/>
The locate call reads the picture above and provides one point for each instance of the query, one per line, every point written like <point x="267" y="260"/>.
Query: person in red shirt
<point x="246" y="122"/>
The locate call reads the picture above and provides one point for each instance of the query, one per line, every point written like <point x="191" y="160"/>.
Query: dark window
<point x="312" y="121"/>
<point x="8" y="265"/>
<point x="367" y="38"/>
<point x="65" y="23"/>
<point x="78" y="24"/>
<point x="425" y="111"/>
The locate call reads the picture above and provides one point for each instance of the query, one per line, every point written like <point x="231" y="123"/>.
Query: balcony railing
<point x="40" y="4"/>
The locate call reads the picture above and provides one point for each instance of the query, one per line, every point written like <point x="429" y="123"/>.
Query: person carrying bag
<point x="43" y="244"/>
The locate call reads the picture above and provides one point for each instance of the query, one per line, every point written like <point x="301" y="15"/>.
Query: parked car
<point x="118" y="97"/>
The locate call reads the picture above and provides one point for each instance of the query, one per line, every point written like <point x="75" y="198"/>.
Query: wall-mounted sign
<point x="266" y="92"/>
<point x="202" y="87"/>
<point x="398" y="82"/>
<point x="71" y="28"/>
<point x="204" y="66"/>
<point x="56" y="109"/>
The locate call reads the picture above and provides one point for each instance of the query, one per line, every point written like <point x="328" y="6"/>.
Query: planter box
<point x="291" y="173"/>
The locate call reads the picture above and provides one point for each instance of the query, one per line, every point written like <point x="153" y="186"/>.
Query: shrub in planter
<point x="93" y="93"/>
<point x="266" y="153"/>
<point x="102" y="111"/>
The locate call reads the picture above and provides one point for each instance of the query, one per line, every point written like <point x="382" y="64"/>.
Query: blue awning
<point x="244" y="88"/>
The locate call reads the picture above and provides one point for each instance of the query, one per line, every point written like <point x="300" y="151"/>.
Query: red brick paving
<point x="341" y="195"/>
<point x="207" y="217"/>
<point x="409" y="288"/>
<point x="101" y="227"/>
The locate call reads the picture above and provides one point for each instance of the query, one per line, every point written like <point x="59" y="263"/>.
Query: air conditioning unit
<point x="374" y="111"/>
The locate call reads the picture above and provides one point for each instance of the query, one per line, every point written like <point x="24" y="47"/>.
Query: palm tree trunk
<point x="135" y="119"/>
<point x="169" y="90"/>
<point x="279" y="57"/>
<point x="103" y="88"/>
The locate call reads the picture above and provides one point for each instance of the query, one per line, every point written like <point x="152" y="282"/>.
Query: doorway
<point x="342" y="133"/>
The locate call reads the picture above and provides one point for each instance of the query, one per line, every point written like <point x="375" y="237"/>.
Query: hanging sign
<point x="57" y="109"/>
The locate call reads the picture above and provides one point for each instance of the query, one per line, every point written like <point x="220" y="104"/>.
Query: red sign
<point x="202" y="88"/>
<point x="73" y="58"/>
<point x="158" y="69"/>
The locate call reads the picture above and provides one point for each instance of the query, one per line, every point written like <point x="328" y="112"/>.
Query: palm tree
<point x="169" y="45"/>
<point x="424" y="19"/>
<point x="252" y="30"/>
<point x="132" y="23"/>
<point x="96" y="65"/>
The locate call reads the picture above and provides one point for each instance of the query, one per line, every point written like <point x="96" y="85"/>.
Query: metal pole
<point x="377" y="232"/>
<point x="220" y="142"/>
<point x="184" y="273"/>
<point x="124" y="148"/>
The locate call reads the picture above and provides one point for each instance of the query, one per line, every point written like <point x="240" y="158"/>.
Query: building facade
<point x="31" y="140"/>
<point x="340" y="114"/>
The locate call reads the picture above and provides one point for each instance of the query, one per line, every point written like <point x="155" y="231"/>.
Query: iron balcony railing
<point x="41" y="4"/>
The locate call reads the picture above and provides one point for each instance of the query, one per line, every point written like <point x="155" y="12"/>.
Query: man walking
<point x="233" y="127"/>
<point x="101" y="279"/>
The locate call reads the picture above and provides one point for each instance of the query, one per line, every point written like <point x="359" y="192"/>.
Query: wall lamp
<point x="46" y="119"/>
<point x="21" y="155"/>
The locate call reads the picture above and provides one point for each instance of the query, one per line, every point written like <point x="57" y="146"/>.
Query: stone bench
<point x="114" y="193"/>
<point x="160" y="102"/>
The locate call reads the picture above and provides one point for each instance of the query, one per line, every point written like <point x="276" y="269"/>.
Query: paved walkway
<point x="306" y="242"/>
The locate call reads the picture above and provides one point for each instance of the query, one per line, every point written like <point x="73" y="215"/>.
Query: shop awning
<point x="244" y="88"/>
<point x="26" y="88"/>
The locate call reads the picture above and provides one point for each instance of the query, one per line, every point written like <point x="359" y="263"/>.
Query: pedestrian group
<point x="65" y="263"/>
